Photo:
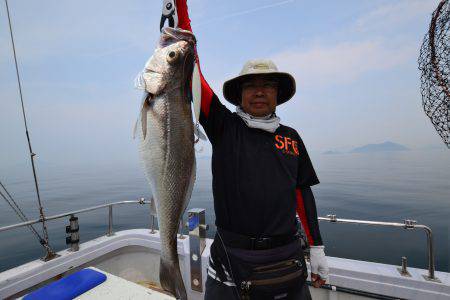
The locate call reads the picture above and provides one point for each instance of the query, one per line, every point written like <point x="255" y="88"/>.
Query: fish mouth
<point x="171" y="35"/>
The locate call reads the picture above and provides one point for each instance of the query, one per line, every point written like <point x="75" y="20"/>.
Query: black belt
<point x="235" y="240"/>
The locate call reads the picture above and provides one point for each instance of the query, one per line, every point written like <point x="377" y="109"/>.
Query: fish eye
<point x="172" y="57"/>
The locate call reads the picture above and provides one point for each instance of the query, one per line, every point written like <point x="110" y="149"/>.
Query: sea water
<point x="386" y="186"/>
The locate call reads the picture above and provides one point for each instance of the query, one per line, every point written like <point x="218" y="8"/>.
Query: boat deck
<point x="132" y="256"/>
<point x="117" y="288"/>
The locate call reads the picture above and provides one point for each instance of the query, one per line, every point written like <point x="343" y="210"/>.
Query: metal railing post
<point x="153" y="214"/>
<point x="73" y="235"/>
<point x="197" y="234"/>
<point x="180" y="229"/>
<point x="110" y="221"/>
<point x="404" y="268"/>
<point x="430" y="245"/>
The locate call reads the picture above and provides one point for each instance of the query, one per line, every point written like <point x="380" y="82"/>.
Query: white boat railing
<point x="75" y="212"/>
<point x="407" y="224"/>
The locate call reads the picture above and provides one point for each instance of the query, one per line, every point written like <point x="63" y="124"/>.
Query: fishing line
<point x="245" y="12"/>
<point x="229" y="263"/>
<point x="46" y="245"/>
<point x="13" y="204"/>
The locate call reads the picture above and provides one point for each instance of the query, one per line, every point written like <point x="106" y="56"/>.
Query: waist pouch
<point x="266" y="274"/>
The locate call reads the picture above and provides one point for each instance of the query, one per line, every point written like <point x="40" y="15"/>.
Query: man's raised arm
<point x="212" y="112"/>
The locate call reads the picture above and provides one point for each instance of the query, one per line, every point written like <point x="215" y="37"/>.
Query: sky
<point x="355" y="64"/>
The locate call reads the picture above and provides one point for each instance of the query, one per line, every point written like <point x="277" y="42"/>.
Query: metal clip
<point x="260" y="243"/>
<point x="197" y="129"/>
<point x="409" y="224"/>
<point x="245" y="285"/>
<point x="332" y="218"/>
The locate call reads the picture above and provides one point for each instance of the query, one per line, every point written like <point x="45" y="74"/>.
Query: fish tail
<point x="171" y="280"/>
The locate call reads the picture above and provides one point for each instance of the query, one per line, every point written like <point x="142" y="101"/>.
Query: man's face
<point x="259" y="95"/>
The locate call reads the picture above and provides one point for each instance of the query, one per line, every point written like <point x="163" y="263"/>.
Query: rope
<point x="18" y="211"/>
<point x="50" y="252"/>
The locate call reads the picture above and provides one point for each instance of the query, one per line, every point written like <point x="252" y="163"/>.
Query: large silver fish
<point x="166" y="134"/>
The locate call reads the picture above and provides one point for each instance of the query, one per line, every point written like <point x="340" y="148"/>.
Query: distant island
<point x="386" y="146"/>
<point x="331" y="152"/>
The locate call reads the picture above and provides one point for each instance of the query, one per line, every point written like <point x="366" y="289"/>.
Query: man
<point x="262" y="176"/>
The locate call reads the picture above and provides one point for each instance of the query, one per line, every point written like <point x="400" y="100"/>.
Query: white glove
<point x="319" y="264"/>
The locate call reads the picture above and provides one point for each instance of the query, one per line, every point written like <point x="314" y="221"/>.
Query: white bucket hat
<point x="286" y="88"/>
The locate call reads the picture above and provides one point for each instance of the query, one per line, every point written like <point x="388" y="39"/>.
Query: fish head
<point x="172" y="63"/>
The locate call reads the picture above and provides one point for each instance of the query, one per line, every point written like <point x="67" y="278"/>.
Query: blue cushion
<point x="69" y="287"/>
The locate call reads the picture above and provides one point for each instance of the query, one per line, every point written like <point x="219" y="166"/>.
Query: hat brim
<point x="286" y="87"/>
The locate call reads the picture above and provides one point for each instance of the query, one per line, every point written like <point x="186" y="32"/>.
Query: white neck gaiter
<point x="268" y="123"/>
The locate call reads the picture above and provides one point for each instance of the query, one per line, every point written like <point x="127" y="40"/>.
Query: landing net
<point x="434" y="64"/>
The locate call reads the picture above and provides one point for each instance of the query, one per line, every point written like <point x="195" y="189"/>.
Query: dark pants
<point x="215" y="290"/>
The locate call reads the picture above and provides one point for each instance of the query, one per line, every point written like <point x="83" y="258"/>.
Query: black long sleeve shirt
<point x="260" y="179"/>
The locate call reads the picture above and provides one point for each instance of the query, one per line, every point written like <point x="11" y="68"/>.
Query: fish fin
<point x="196" y="91"/>
<point x="144" y="110"/>
<point x="144" y="122"/>
<point x="139" y="82"/>
<point x="145" y="96"/>
<point x="135" y="128"/>
<point x="171" y="279"/>
<point x="198" y="132"/>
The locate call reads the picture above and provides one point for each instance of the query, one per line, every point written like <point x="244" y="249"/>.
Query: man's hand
<point x="319" y="266"/>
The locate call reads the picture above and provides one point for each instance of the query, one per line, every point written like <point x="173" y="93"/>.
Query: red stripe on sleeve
<point x="207" y="94"/>
<point x="302" y="214"/>
<point x="185" y="23"/>
<point x="183" y="16"/>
